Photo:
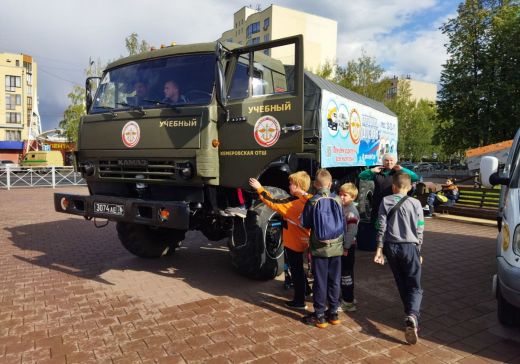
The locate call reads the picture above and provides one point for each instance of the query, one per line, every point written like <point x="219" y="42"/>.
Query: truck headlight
<point x="186" y="171"/>
<point x="516" y="241"/>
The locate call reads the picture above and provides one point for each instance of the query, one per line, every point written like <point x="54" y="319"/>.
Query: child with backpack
<point x="295" y="237"/>
<point x="400" y="227"/>
<point x="323" y="214"/>
<point x="348" y="193"/>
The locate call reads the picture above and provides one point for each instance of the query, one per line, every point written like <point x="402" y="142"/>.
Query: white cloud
<point x="63" y="34"/>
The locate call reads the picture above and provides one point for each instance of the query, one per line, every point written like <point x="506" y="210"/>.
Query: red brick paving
<point x="69" y="293"/>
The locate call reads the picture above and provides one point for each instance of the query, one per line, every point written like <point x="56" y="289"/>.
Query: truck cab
<point x="506" y="282"/>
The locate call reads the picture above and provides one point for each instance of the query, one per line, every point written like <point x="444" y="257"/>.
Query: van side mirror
<point x="489" y="172"/>
<point x="91" y="86"/>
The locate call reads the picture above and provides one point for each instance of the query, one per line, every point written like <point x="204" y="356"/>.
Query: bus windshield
<point x="165" y="82"/>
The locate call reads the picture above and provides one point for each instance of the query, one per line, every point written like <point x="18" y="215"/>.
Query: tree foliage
<point x="134" y="46"/>
<point x="417" y="121"/>
<point x="365" y="77"/>
<point x="479" y="99"/>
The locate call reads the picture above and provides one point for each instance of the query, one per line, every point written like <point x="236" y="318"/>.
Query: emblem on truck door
<point x="131" y="134"/>
<point x="267" y="131"/>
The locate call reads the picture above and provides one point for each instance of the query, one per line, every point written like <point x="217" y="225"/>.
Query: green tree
<point x="134" y="46"/>
<point x="417" y="121"/>
<point x="365" y="77"/>
<point x="479" y="95"/>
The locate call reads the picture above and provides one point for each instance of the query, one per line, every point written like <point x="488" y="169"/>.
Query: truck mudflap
<point x="167" y="214"/>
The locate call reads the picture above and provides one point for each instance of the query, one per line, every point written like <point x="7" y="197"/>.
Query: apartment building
<point x="419" y="90"/>
<point x="252" y="26"/>
<point x="18" y="83"/>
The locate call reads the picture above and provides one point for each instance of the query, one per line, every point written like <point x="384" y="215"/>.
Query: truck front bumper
<point x="168" y="214"/>
<point x="509" y="281"/>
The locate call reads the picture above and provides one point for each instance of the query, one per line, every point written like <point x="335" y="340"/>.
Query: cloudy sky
<point x="61" y="35"/>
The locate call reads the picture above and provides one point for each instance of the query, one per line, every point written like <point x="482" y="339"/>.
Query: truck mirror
<point x="91" y="86"/>
<point x="221" y="83"/>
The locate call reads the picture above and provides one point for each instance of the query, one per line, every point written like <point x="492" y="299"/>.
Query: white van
<point x="506" y="283"/>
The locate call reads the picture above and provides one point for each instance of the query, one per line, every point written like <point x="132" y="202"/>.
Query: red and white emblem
<point x="267" y="131"/>
<point x="131" y="134"/>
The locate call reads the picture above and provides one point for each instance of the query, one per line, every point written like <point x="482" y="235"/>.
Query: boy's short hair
<point x="349" y="189"/>
<point x="301" y="179"/>
<point x="402" y="180"/>
<point x="323" y="177"/>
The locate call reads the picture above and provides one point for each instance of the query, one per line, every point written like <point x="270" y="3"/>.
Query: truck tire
<point x="366" y="191"/>
<point x="149" y="242"/>
<point x="507" y="313"/>
<point x="256" y="246"/>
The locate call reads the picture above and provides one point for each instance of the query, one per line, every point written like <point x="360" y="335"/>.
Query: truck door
<point x="265" y="104"/>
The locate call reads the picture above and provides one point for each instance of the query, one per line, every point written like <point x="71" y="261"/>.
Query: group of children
<point x="326" y="225"/>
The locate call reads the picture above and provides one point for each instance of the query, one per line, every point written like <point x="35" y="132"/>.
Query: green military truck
<point x="160" y="162"/>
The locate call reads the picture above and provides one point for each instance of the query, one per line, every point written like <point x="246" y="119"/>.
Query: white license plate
<point x="109" y="208"/>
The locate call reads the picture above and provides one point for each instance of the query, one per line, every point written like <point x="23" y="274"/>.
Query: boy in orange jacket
<point x="295" y="237"/>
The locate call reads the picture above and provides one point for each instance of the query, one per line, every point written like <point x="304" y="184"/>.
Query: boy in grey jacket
<point x="400" y="227"/>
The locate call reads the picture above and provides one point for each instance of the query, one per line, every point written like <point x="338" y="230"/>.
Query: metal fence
<point x="19" y="177"/>
<point x="456" y="173"/>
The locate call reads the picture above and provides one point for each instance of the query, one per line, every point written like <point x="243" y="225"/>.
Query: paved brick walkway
<point x="69" y="293"/>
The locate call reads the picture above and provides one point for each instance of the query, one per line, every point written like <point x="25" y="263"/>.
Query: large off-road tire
<point x="256" y="242"/>
<point x="366" y="192"/>
<point x="149" y="242"/>
<point x="507" y="313"/>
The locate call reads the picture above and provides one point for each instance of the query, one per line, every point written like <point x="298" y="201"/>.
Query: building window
<point x="29" y="79"/>
<point x="28" y="67"/>
<point x="252" y="29"/>
<point x="256" y="40"/>
<point x="29" y="90"/>
<point x="8" y="104"/>
<point x="17" y="63"/>
<point x="15" y="135"/>
<point x="266" y="38"/>
<point x="266" y="23"/>
<point x="11" y="101"/>
<point x="29" y="102"/>
<point x="12" y="82"/>
<point x="13" y="117"/>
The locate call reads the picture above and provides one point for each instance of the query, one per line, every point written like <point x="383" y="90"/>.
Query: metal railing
<point x="23" y="177"/>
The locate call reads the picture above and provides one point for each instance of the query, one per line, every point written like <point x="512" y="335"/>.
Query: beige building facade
<point x="18" y="83"/>
<point x="252" y="26"/>
<point x="419" y="90"/>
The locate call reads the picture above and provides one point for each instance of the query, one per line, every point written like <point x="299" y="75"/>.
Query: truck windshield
<point x="160" y="83"/>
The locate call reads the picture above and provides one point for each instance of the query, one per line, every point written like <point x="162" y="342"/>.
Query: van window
<point x="515" y="164"/>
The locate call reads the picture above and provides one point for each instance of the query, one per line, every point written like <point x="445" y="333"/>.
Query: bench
<point x="474" y="202"/>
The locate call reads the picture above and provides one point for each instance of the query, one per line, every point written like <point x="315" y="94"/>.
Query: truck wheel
<point x="507" y="313"/>
<point x="149" y="242"/>
<point x="366" y="191"/>
<point x="256" y="242"/>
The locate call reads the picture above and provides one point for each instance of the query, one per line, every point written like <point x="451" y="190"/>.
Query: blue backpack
<point x="328" y="220"/>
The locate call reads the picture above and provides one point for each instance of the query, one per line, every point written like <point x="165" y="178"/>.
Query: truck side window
<point x="240" y="83"/>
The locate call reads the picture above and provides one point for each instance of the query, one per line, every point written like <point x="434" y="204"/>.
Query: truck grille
<point x="145" y="170"/>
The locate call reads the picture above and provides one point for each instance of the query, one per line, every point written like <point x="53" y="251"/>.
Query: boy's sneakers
<point x="333" y="318"/>
<point x="296" y="305"/>
<point x="410" y="331"/>
<point x="348" y="306"/>
<point x="315" y="320"/>
<point x="236" y="211"/>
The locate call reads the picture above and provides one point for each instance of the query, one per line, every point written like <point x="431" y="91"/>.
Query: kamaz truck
<point x="159" y="166"/>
